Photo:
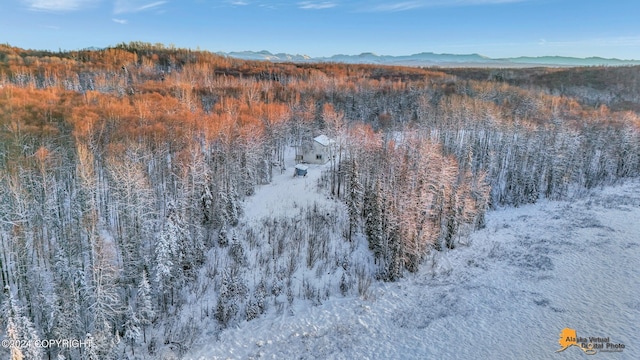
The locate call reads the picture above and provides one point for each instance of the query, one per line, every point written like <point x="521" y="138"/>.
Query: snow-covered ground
<point x="286" y="194"/>
<point x="508" y="294"/>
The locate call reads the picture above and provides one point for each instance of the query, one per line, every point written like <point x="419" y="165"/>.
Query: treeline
<point x="121" y="168"/>
<point x="613" y="86"/>
<point x="408" y="197"/>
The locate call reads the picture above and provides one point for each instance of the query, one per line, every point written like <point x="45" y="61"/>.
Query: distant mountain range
<point x="432" y="59"/>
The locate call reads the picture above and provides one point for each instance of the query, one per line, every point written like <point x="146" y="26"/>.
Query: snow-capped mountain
<point x="266" y="55"/>
<point x="433" y="59"/>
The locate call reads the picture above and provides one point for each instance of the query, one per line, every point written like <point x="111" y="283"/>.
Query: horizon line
<point x="373" y="53"/>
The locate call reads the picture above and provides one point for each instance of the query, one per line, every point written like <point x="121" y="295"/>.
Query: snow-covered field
<point x="507" y="294"/>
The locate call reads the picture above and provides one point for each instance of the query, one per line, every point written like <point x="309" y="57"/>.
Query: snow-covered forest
<point x="148" y="198"/>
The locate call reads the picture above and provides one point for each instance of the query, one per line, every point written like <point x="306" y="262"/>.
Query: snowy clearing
<point x="531" y="272"/>
<point x="286" y="194"/>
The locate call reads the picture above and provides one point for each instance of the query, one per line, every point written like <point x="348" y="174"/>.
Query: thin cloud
<point x="310" y="5"/>
<point x="304" y="5"/>
<point x="150" y="6"/>
<point x="410" y="5"/>
<point x="586" y="47"/>
<point x="605" y="41"/>
<point x="132" y="6"/>
<point x="401" y="6"/>
<point x="487" y="2"/>
<point x="119" y="21"/>
<point x="59" y="5"/>
<point x="598" y="44"/>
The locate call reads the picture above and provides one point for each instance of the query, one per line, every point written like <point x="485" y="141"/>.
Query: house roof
<point x="324" y="140"/>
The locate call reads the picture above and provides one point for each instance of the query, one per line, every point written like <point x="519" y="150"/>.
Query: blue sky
<point x="495" y="28"/>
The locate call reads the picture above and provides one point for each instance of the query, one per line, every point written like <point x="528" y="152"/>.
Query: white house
<point x="318" y="151"/>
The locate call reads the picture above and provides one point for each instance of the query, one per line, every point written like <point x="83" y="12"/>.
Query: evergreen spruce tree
<point x="394" y="257"/>
<point x="20" y="330"/>
<point x="236" y="250"/>
<point x="169" y="255"/>
<point x="257" y="303"/>
<point x="232" y="294"/>
<point x="144" y="307"/>
<point x="131" y="329"/>
<point x="373" y="219"/>
<point x="354" y="197"/>
<point x="223" y="241"/>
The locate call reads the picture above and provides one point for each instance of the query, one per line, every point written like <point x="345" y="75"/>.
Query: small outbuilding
<point x="318" y="151"/>
<point x="300" y="170"/>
